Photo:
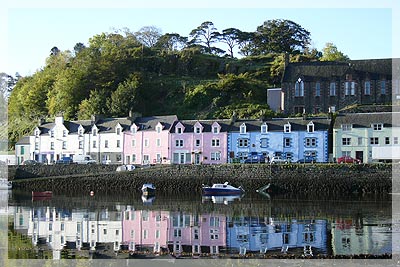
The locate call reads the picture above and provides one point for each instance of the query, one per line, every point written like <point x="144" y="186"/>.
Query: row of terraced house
<point x="168" y="140"/>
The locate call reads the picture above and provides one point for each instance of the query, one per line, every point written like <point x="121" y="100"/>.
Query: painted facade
<point x="145" y="229"/>
<point x="148" y="140"/>
<point x="199" y="142"/>
<point x="22" y="150"/>
<point x="292" y="138"/>
<point x="262" y="234"/>
<point x="196" y="234"/>
<point x="367" y="136"/>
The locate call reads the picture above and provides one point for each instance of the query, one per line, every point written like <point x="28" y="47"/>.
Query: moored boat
<point x="42" y="194"/>
<point x="148" y="189"/>
<point x="222" y="189"/>
<point x="5" y="184"/>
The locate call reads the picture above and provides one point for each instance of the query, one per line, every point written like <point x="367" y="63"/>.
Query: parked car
<point x="84" y="159"/>
<point x="65" y="160"/>
<point x="277" y="160"/>
<point x="348" y="159"/>
<point x="307" y="159"/>
<point x="30" y="162"/>
<point x="255" y="158"/>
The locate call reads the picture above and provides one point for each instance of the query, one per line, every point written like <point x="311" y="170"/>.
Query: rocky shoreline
<point x="323" y="179"/>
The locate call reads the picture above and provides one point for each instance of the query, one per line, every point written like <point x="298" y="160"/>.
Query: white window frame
<point x="264" y="128"/>
<point x="243" y="142"/>
<point x="310" y="127"/>
<point x="133" y="143"/>
<point x="346" y="127"/>
<point x="215" y="142"/>
<point x="215" y="156"/>
<point x="146" y="142"/>
<point x="243" y="128"/>
<point x="346" y="141"/>
<point x="215" y="129"/>
<point x="310" y="142"/>
<point x="197" y="142"/>
<point x="197" y="130"/>
<point x="377" y="126"/>
<point x="287" y="142"/>
<point x="287" y="128"/>
<point x="158" y="142"/>
<point x="179" y="143"/>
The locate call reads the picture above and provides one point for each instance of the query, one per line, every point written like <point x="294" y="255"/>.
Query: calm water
<point x="126" y="225"/>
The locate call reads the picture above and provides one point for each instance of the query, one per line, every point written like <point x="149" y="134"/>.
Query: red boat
<point x="41" y="195"/>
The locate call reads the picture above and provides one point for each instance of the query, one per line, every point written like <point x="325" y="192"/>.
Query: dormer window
<point x="64" y="133"/>
<point x="215" y="129"/>
<point x="377" y="126"/>
<point x="243" y="128"/>
<point x="287" y="128"/>
<point x="158" y="129"/>
<point x="264" y="128"/>
<point x="346" y="127"/>
<point x="310" y="127"/>
<point x="179" y="130"/>
<point x="52" y="133"/>
<point x="197" y="130"/>
<point x="80" y="132"/>
<point x="118" y="131"/>
<point x="37" y="132"/>
<point x="133" y="129"/>
<point x="94" y="132"/>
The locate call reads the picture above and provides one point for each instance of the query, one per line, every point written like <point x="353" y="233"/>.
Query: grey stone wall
<point x="324" y="179"/>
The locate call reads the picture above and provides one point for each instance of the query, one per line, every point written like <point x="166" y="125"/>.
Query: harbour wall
<point x="304" y="179"/>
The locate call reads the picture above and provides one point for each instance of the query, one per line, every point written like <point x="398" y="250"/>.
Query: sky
<point x="360" y="29"/>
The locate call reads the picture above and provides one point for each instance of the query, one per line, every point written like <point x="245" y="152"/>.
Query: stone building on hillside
<point x="314" y="87"/>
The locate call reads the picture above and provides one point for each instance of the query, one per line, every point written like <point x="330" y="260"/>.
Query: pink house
<point x="196" y="234"/>
<point x="148" y="140"/>
<point x="199" y="142"/>
<point x="146" y="229"/>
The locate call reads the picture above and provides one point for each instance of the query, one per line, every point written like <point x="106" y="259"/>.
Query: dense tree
<point x="331" y="53"/>
<point x="281" y="36"/>
<point x="206" y="34"/>
<point x="171" y="42"/>
<point x="148" y="35"/>
<point x="54" y="51"/>
<point x="79" y="47"/>
<point x="232" y="37"/>
<point x="125" y="97"/>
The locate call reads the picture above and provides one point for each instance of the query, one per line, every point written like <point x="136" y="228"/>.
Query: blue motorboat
<point x="222" y="189"/>
<point x="148" y="189"/>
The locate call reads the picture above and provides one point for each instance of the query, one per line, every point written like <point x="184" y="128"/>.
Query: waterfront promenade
<point x="320" y="179"/>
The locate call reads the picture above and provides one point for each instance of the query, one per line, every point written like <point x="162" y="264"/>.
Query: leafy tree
<point x="231" y="37"/>
<point x="171" y="42"/>
<point x="331" y="53"/>
<point x="205" y="34"/>
<point x="54" y="51"/>
<point x="281" y="36"/>
<point x="246" y="43"/>
<point x="95" y="104"/>
<point x="79" y="47"/>
<point x="148" y="35"/>
<point x="125" y="97"/>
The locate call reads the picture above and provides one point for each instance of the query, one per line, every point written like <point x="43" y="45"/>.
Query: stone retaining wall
<point x="323" y="179"/>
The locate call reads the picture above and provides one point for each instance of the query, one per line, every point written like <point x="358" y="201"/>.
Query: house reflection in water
<point x="182" y="234"/>
<point x="261" y="234"/>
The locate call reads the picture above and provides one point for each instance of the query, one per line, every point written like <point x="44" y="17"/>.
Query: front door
<point x="197" y="158"/>
<point x="360" y="155"/>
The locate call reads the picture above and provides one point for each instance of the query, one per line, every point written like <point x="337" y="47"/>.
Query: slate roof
<point x="73" y="126"/>
<point x="277" y="125"/>
<point x="328" y="69"/>
<point x="207" y="124"/>
<point x="364" y="120"/>
<point x="150" y="123"/>
<point x="107" y="125"/>
<point x="23" y="141"/>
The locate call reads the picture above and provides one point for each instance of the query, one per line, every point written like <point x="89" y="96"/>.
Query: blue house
<point x="255" y="234"/>
<point x="291" y="138"/>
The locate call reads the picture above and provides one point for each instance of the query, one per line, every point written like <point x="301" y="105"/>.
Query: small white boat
<point x="5" y="184"/>
<point x="148" y="189"/>
<point x="222" y="189"/>
<point x="127" y="167"/>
